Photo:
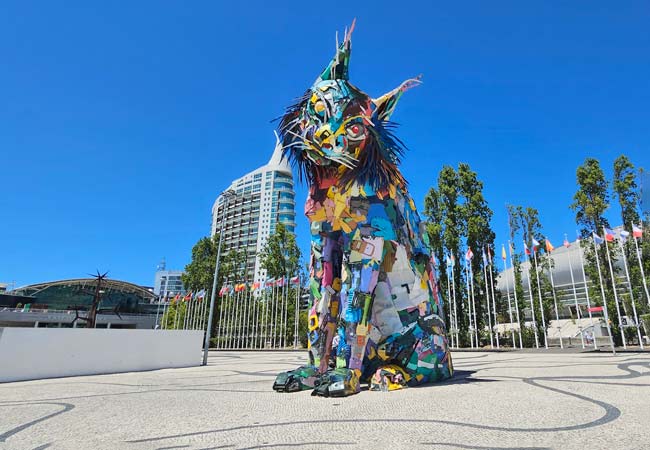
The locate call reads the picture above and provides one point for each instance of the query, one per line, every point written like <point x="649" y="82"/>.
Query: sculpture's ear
<point x="385" y="105"/>
<point x="338" y="68"/>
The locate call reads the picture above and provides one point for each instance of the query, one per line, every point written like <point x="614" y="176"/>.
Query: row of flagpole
<point x="492" y="317"/>
<point x="189" y="311"/>
<point x="249" y="316"/>
<point x="257" y="316"/>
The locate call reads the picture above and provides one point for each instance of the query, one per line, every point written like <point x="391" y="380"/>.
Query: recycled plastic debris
<point x="375" y="306"/>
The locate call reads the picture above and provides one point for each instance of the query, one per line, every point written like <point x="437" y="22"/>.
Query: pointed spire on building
<point x="276" y="158"/>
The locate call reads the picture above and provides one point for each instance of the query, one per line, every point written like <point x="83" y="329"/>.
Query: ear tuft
<point x="385" y="105"/>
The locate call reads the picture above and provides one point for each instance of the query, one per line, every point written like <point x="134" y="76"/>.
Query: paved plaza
<point x="511" y="400"/>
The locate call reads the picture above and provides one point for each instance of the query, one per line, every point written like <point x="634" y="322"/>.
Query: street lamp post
<point x="227" y="195"/>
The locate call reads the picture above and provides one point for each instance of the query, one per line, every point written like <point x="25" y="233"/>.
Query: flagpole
<point x="238" y="314"/>
<point x="453" y="293"/>
<point x="191" y="323"/>
<point x="176" y="315"/>
<point x="530" y="294"/>
<point x="296" y="315"/>
<point x="575" y="293"/>
<point x="505" y="278"/>
<point x="629" y="284"/>
<point x="286" y="311"/>
<point x="602" y="291"/>
<point x="645" y="284"/>
<point x="584" y="278"/>
<point x="451" y="314"/>
<point x="264" y="307"/>
<point x="156" y="326"/>
<point x="220" y="327"/>
<point x="163" y="321"/>
<point x="471" y="281"/>
<point x="539" y="293"/>
<point x="469" y="307"/>
<point x="494" y="303"/>
<point x="241" y="342"/>
<point x="232" y="319"/>
<point x="187" y="310"/>
<point x="244" y="318"/>
<point x="487" y="297"/>
<point x="514" y="290"/>
<point x="618" y="309"/>
<point x="557" y="314"/>
<point x="225" y="303"/>
<point x="229" y="318"/>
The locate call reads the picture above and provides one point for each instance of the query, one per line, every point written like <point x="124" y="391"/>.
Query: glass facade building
<point x="263" y="198"/>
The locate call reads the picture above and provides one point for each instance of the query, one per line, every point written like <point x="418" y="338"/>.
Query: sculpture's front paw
<point x="337" y="383"/>
<point x="300" y="379"/>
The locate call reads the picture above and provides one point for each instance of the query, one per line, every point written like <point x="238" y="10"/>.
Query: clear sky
<point x="120" y="122"/>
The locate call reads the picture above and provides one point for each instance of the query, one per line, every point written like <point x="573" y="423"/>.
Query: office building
<point x="168" y="283"/>
<point x="262" y="198"/>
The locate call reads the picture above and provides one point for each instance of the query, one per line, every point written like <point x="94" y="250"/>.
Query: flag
<point x="453" y="260"/>
<point x="597" y="239"/>
<point x="295" y="280"/>
<point x="609" y="234"/>
<point x="223" y="290"/>
<point x="469" y="255"/>
<point x="201" y="294"/>
<point x="526" y="250"/>
<point x="255" y="286"/>
<point x="177" y="297"/>
<point x="549" y="246"/>
<point x="485" y="260"/>
<point x="188" y="297"/>
<point x="448" y="260"/>
<point x="489" y="254"/>
<point x="624" y="235"/>
<point x="637" y="232"/>
<point x="566" y="243"/>
<point x="280" y="282"/>
<point x="503" y="252"/>
<point x="535" y="244"/>
<point x="269" y="283"/>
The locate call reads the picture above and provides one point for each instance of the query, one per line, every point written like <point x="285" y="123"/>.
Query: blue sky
<point x="121" y="122"/>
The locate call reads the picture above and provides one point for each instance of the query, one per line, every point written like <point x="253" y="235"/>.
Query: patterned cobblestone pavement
<point x="513" y="400"/>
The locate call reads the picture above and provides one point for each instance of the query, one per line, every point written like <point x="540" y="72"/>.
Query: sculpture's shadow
<point x="460" y="377"/>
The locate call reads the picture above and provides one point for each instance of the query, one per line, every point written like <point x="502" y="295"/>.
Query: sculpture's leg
<point x="305" y="377"/>
<point x="345" y="379"/>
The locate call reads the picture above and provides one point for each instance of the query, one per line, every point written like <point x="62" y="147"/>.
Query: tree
<point x="476" y="216"/>
<point x="454" y="210"/>
<point x="590" y="203"/>
<point x="280" y="255"/>
<point x="626" y="191"/>
<point x="199" y="273"/>
<point x="592" y="198"/>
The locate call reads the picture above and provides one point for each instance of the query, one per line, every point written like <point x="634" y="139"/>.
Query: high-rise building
<point x="168" y="282"/>
<point x="262" y="198"/>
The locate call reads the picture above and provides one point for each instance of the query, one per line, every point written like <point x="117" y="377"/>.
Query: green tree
<point x="476" y="215"/>
<point x="456" y="210"/>
<point x="626" y="191"/>
<point x="531" y="228"/>
<point x="590" y="203"/>
<point x="280" y="256"/>
<point x="628" y="195"/>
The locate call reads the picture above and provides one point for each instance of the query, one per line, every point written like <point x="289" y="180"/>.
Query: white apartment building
<point x="264" y="197"/>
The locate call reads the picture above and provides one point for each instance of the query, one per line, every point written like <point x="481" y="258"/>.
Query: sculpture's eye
<point x="355" y="130"/>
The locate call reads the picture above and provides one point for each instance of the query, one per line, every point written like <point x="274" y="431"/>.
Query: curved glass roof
<point x="116" y="295"/>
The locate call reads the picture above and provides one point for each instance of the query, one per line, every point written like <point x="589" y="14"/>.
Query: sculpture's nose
<point x="324" y="137"/>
